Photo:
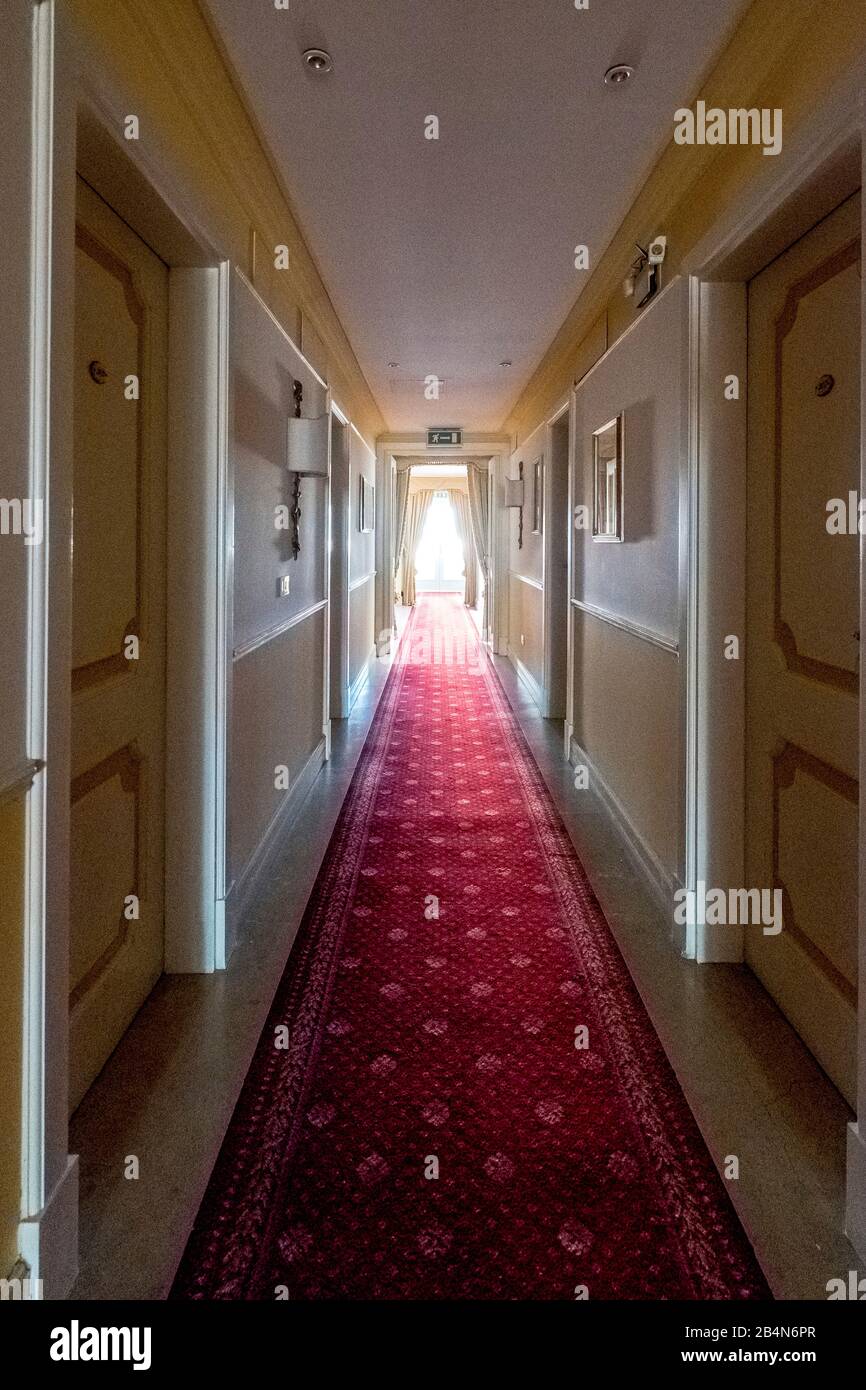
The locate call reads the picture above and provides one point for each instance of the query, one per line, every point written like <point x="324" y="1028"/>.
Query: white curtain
<point x="460" y="504"/>
<point x="416" y="514"/>
<point x="401" y="505"/>
<point x="479" y="513"/>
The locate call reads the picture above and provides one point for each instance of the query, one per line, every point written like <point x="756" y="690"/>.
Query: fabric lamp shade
<point x="307" y="446"/>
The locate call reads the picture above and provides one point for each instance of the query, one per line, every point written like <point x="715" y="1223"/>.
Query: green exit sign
<point x="441" y="439"/>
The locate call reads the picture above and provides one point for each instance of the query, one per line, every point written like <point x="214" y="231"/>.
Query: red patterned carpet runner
<point x="473" y="1103"/>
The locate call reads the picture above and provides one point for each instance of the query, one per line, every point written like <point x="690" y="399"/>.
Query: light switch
<point x="284" y="584"/>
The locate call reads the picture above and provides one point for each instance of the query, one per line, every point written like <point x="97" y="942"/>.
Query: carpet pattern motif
<point x="470" y="1101"/>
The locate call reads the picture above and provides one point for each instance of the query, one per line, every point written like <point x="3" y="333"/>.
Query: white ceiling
<point x="449" y="256"/>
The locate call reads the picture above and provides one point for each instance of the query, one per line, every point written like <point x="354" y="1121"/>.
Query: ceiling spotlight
<point x="319" y="60"/>
<point x="618" y="74"/>
<point x="506" y="363"/>
<point x="393" y="364"/>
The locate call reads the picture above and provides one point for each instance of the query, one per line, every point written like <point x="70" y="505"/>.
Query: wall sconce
<point x="306" y="456"/>
<point x="514" y="498"/>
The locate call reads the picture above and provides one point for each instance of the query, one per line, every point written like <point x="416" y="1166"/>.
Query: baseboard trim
<point x="247" y="885"/>
<point x="49" y="1241"/>
<point x="855" y="1183"/>
<point x="360" y="681"/>
<point x="662" y="882"/>
<point x="535" y="689"/>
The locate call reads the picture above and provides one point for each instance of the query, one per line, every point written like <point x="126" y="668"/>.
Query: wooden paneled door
<point x="118" y="634"/>
<point x="802" y="643"/>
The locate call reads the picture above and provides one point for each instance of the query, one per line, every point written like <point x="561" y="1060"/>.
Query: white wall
<point x="278" y="642"/>
<point x="529" y="560"/>
<point x="362" y="567"/>
<point x="626" y="670"/>
<point x="526" y="572"/>
<point x="643" y="376"/>
<point x="264" y="363"/>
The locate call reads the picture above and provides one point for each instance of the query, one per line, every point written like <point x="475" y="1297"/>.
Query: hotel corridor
<point x="432" y="516"/>
<point x="457" y="1093"/>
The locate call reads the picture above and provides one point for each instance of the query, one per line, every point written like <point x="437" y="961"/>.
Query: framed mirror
<point x="607" y="446"/>
<point x="538" y="497"/>
<point x="366" y="505"/>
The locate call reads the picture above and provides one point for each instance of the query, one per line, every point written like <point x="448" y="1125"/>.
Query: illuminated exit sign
<point x="441" y="439"/>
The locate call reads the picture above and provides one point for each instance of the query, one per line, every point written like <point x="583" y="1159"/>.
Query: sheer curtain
<point x="460" y="504"/>
<point x="416" y="514"/>
<point x="479" y="513"/>
<point x="401" y="507"/>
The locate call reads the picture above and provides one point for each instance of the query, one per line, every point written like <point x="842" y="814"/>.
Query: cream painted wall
<point x="644" y="377"/>
<point x="264" y="364"/>
<point x="526" y="570"/>
<point x="529" y="560"/>
<point x="276" y="720"/>
<point x="277" y="670"/>
<point x="526" y="627"/>
<point x="362" y="564"/>
<point x="626" y="695"/>
<point x="362" y="618"/>
<point x="626" y="687"/>
<point x="362" y="544"/>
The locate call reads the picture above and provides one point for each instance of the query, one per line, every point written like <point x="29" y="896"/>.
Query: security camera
<point x="657" y="249"/>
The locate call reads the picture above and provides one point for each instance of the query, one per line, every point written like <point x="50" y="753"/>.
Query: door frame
<point x="77" y="127"/>
<point x="340" y="535"/>
<point x="199" y="522"/>
<point x="495" y="447"/>
<point x="551" y="600"/>
<point x="813" y="174"/>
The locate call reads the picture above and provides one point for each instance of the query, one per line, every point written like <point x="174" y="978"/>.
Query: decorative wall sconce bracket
<point x="295" y="514"/>
<point x="514" y="497"/>
<point x="306" y="456"/>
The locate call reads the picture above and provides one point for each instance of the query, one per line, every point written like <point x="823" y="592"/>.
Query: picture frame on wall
<point x="366" y="505"/>
<point x="538" y="497"/>
<point x="607" y="465"/>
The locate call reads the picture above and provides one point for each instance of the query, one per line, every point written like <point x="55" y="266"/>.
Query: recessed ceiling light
<point x="393" y="364"/>
<point x="318" y="59"/>
<point x="506" y="363"/>
<point x="617" y="75"/>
